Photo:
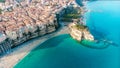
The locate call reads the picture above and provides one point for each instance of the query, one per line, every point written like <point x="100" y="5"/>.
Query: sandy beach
<point x="18" y="53"/>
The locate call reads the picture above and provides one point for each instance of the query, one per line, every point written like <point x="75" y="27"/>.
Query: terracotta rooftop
<point x="25" y="15"/>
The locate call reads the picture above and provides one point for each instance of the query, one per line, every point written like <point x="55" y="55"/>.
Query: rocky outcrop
<point x="80" y="32"/>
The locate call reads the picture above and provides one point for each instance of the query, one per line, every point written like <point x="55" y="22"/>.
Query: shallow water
<point x="62" y="51"/>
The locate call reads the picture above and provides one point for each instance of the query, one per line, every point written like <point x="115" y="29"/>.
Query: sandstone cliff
<point x="80" y="32"/>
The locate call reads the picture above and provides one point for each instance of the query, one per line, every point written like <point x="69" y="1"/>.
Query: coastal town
<point x="21" y="21"/>
<point x="53" y="34"/>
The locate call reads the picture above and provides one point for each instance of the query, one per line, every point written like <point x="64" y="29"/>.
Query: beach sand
<point x="18" y="53"/>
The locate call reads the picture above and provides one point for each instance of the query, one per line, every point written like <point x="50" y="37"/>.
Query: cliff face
<point x="4" y="41"/>
<point x="13" y="38"/>
<point x="80" y="33"/>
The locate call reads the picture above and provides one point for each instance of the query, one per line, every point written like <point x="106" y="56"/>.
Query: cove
<point x="103" y="20"/>
<point x="64" y="52"/>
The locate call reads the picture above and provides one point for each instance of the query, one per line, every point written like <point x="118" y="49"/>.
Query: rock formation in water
<point x="80" y="32"/>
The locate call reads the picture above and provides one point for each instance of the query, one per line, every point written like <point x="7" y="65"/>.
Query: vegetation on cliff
<point x="2" y="0"/>
<point x="0" y="10"/>
<point x="71" y="14"/>
<point x="80" y="27"/>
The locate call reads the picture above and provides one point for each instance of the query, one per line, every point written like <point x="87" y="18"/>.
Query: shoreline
<point x="10" y="59"/>
<point x="27" y="21"/>
<point x="24" y="49"/>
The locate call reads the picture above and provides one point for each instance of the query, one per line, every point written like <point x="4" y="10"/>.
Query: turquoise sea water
<point x="103" y="19"/>
<point x="62" y="51"/>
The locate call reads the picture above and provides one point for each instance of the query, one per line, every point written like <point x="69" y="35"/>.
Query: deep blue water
<point x="103" y="19"/>
<point x="62" y="51"/>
